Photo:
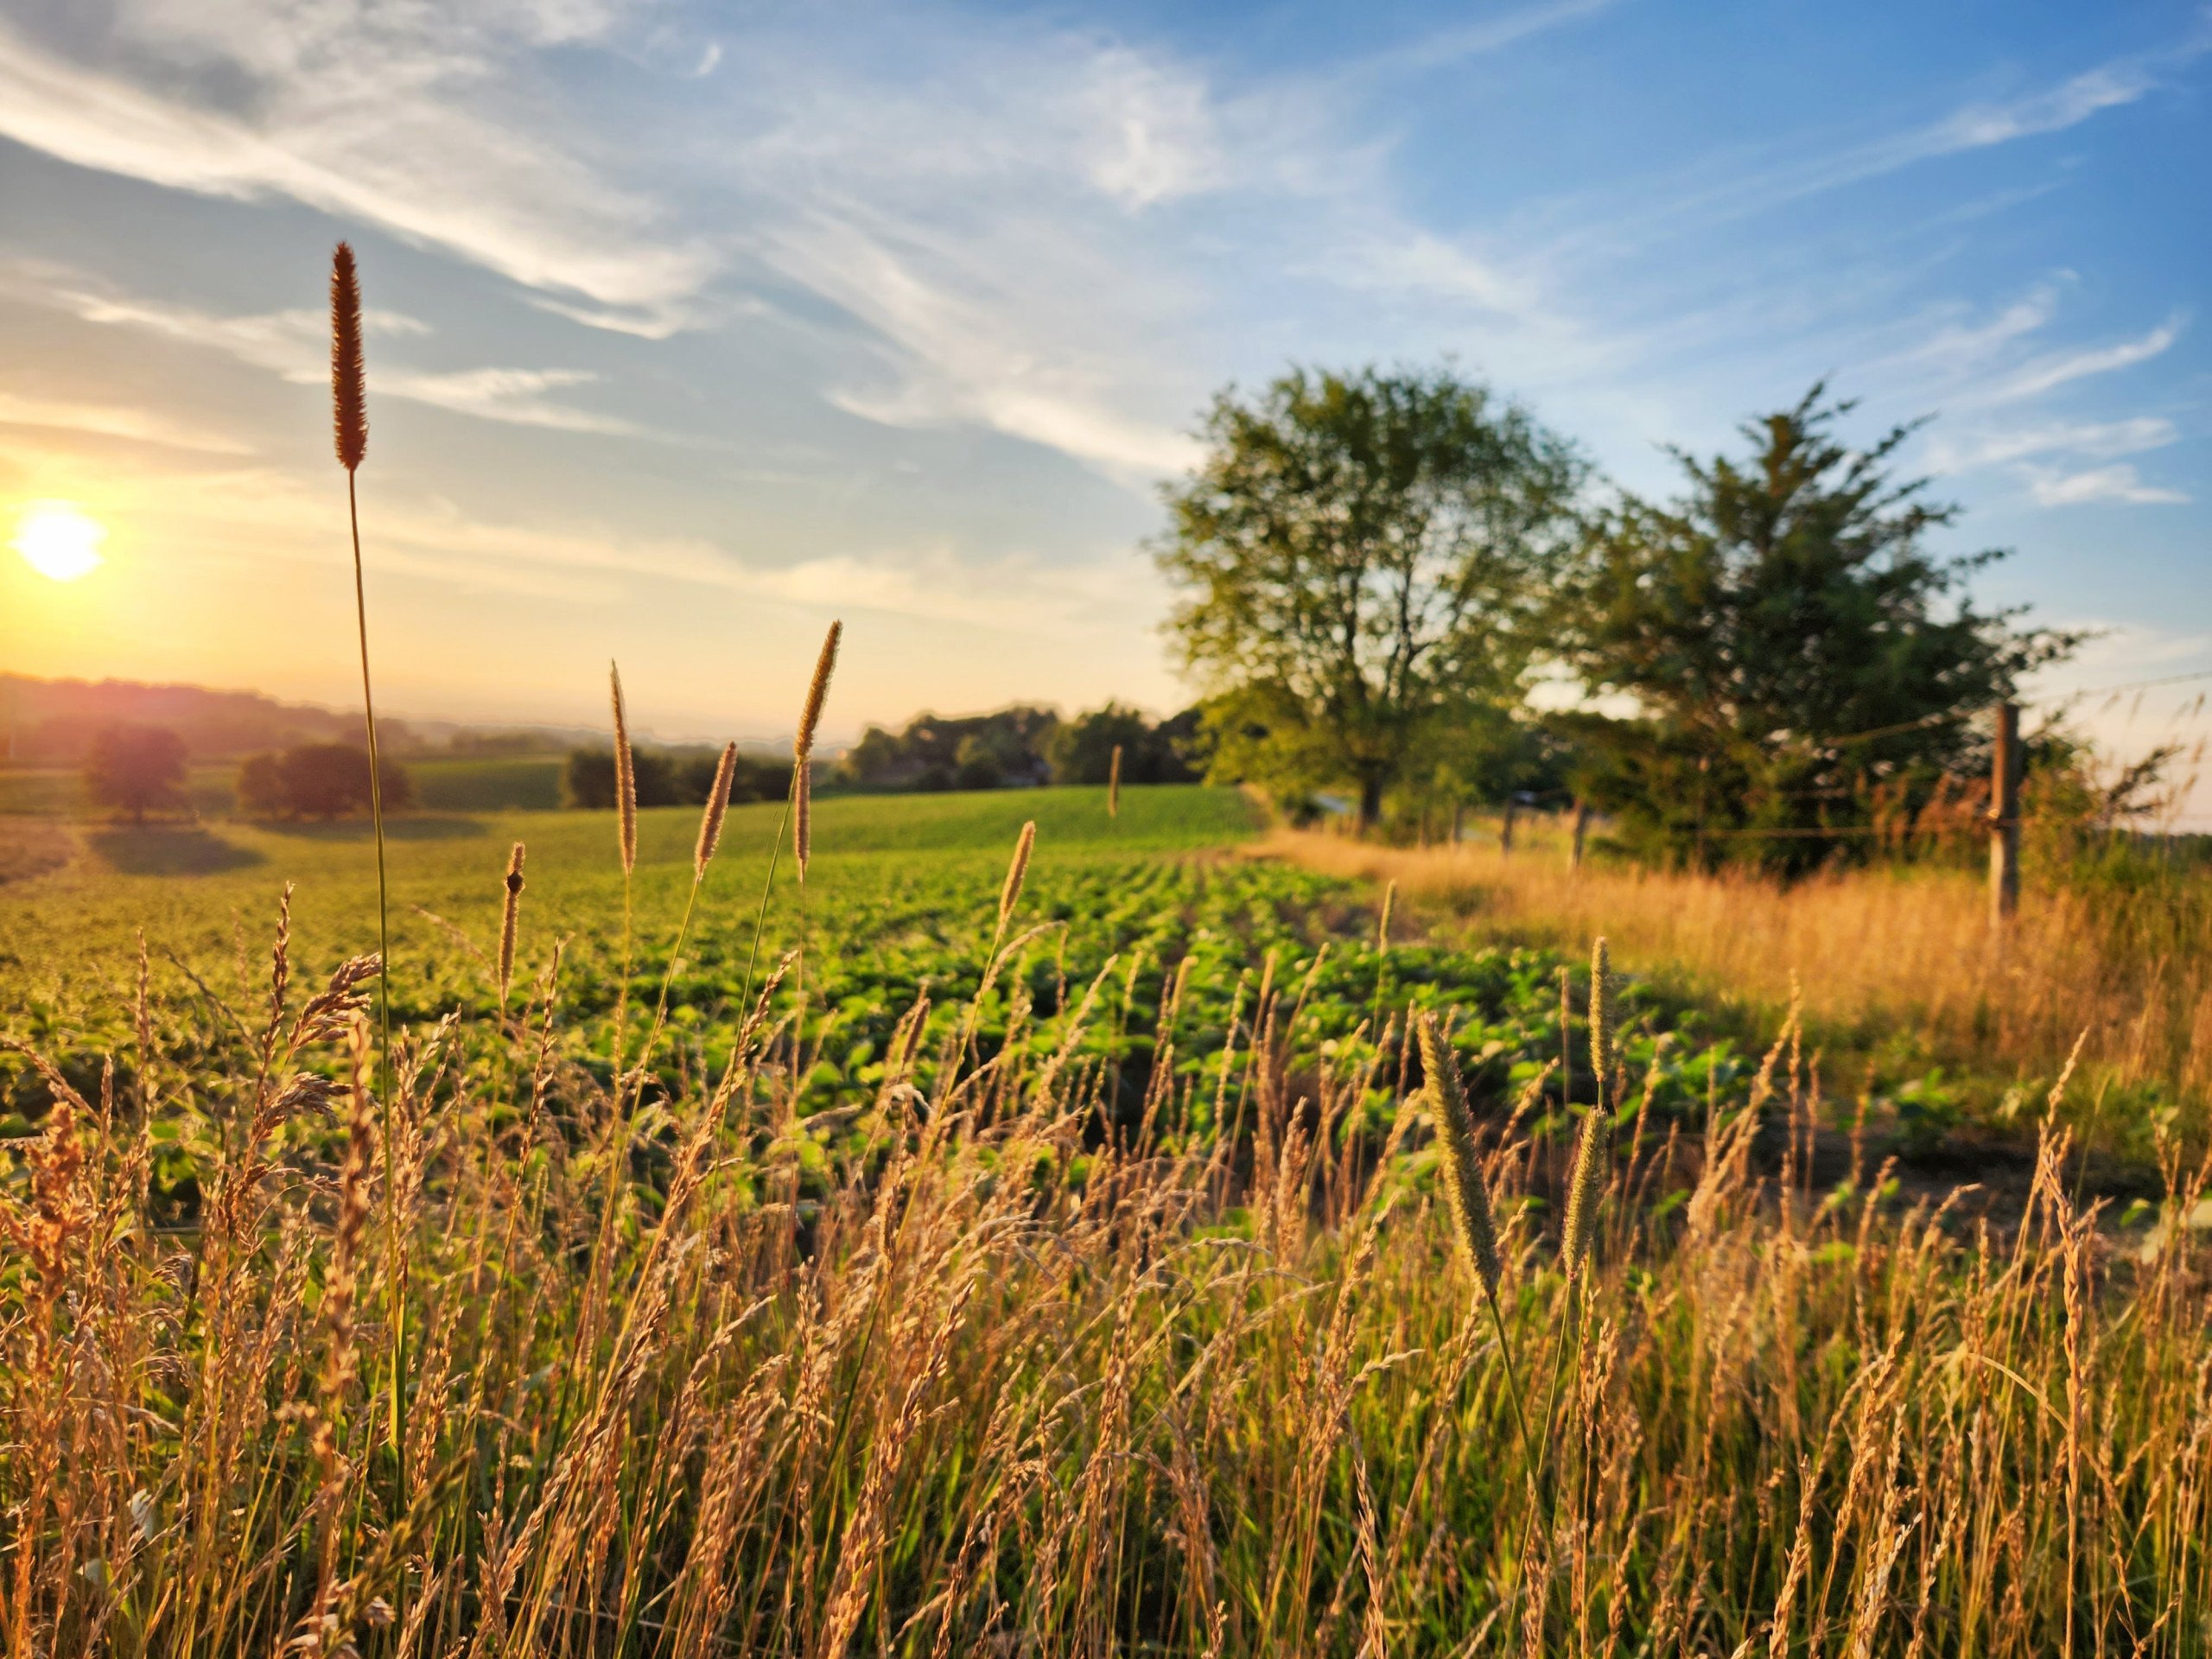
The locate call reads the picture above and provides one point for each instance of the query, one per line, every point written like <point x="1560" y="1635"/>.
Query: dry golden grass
<point x="1875" y="950"/>
<point x="991" y="1384"/>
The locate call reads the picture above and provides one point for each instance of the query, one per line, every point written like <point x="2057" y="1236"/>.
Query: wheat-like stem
<point x="349" y="405"/>
<point x="626" y="816"/>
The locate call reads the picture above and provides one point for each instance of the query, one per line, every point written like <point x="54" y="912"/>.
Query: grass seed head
<point x="1580" y="1227"/>
<point x="349" y="400"/>
<point x="626" y="774"/>
<point x="710" y="822"/>
<point x="1465" y="1189"/>
<point x="1016" y="872"/>
<point x="817" y="689"/>
<point x="510" y="915"/>
<point x="1114" y="784"/>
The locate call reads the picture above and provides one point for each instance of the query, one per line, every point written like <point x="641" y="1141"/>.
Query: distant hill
<point x="52" y="722"/>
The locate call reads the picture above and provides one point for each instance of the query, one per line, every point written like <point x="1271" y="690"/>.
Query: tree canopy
<point x="1792" y="647"/>
<point x="135" y="770"/>
<point x="317" y="780"/>
<point x="1364" y="558"/>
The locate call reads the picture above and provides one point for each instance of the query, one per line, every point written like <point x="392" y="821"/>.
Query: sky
<point x="692" y="326"/>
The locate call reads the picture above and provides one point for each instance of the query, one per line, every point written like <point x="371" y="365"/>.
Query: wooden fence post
<point x="1581" y="830"/>
<point x="1459" y="820"/>
<point x="1505" y="828"/>
<point x="2004" y="766"/>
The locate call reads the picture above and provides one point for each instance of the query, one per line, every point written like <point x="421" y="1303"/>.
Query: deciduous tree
<point x="1364" y="560"/>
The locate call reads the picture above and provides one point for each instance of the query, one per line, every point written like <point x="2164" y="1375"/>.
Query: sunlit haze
<point x="690" y="327"/>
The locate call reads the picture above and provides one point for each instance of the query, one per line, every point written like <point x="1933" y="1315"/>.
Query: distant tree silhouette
<point x="135" y="770"/>
<point x="588" y="780"/>
<point x="754" y="778"/>
<point x="1082" y="749"/>
<point x="317" y="780"/>
<point x="1006" y="747"/>
<point x="261" y="787"/>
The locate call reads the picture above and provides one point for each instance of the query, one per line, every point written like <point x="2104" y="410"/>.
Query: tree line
<point x="139" y="771"/>
<point x="1400" y="585"/>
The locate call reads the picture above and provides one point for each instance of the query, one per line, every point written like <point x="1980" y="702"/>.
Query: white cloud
<point x="602" y="564"/>
<point x="2052" y="110"/>
<point x="2115" y="483"/>
<point x="2092" y="440"/>
<point x="1151" y="133"/>
<point x="389" y="116"/>
<point x="516" y="396"/>
<point x="294" y="344"/>
<point x="2056" y="369"/>
<point x="1961" y="347"/>
<point x="1457" y="43"/>
<point x="1713" y="194"/>
<point x="116" y="421"/>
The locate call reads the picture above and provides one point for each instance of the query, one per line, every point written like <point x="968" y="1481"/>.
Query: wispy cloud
<point x="2092" y="440"/>
<point x="447" y="545"/>
<point x="1445" y="47"/>
<point x="116" y="421"/>
<point x="390" y="117"/>
<point x="2055" y="369"/>
<point x="2051" y="109"/>
<point x="2118" y="482"/>
<point x="516" y="396"/>
<point x="1718" y="191"/>
<point x="294" y="344"/>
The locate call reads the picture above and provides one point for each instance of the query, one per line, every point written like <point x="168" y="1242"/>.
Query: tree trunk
<point x="1370" y="806"/>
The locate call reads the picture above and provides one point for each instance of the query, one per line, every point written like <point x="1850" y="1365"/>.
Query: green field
<point x="187" y="886"/>
<point x="899" y="899"/>
<point x="520" y="783"/>
<point x="1092" y="1268"/>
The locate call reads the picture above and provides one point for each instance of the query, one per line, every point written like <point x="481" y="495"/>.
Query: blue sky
<point x="694" y="325"/>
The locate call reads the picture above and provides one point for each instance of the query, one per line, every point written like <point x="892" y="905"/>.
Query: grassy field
<point x="71" y="937"/>
<point x="517" y="783"/>
<point x="1075" y="1256"/>
<point x="1896" y="969"/>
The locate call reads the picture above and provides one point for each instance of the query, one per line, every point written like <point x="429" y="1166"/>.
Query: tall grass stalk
<point x="350" y="421"/>
<point x="626" y="821"/>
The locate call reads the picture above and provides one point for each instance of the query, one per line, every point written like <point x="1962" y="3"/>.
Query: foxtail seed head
<point x="1016" y="872"/>
<point x="710" y="822"/>
<point x="1465" y="1189"/>
<point x="1114" y="784"/>
<point x="1580" y="1228"/>
<point x="348" y="395"/>
<point x="510" y="916"/>
<point x="625" y="775"/>
<point x="817" y="689"/>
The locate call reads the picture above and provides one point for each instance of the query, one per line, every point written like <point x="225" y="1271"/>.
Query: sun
<point x="58" y="541"/>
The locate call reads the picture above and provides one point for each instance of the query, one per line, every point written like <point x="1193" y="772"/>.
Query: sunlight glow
<point x="58" y="541"/>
